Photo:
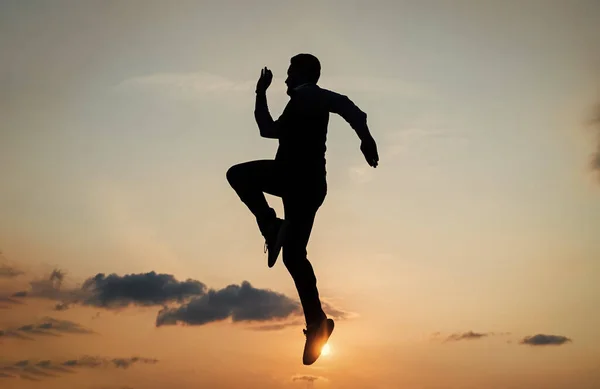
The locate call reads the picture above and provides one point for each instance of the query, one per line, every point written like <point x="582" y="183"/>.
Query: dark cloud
<point x="48" y="365"/>
<point x="196" y="304"/>
<point x="124" y="363"/>
<point x="38" y="370"/>
<point x="114" y="291"/>
<point x="48" y="326"/>
<point x="139" y="289"/>
<point x="9" y="272"/>
<point x="238" y="302"/>
<point x="466" y="336"/>
<point x="545" y="340"/>
<point x="92" y="362"/>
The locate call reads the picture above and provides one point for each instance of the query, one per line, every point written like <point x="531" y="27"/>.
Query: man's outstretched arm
<point x="357" y="119"/>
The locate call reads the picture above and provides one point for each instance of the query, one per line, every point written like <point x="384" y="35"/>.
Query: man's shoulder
<point x="317" y="93"/>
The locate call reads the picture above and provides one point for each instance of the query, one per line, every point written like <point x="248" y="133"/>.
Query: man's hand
<point x="369" y="150"/>
<point x="266" y="76"/>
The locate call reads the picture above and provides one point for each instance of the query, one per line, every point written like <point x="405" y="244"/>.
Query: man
<point x="298" y="176"/>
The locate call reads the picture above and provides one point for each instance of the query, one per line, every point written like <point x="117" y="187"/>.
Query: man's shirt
<point x="302" y="128"/>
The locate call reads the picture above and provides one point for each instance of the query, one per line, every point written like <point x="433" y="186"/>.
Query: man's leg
<point x="251" y="180"/>
<point x="300" y="213"/>
<point x="300" y="216"/>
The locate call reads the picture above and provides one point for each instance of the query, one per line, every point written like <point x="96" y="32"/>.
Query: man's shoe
<point x="317" y="336"/>
<point x="274" y="240"/>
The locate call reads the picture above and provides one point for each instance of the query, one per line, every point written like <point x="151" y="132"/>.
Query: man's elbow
<point x="267" y="132"/>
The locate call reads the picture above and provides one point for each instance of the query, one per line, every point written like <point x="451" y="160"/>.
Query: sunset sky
<point x="469" y="258"/>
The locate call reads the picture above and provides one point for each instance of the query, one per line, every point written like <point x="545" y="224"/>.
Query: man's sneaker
<point x="274" y="240"/>
<point x="316" y="337"/>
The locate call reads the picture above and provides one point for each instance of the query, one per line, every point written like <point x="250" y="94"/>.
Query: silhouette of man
<point x="298" y="176"/>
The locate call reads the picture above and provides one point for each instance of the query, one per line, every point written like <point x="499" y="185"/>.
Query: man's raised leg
<point x="251" y="180"/>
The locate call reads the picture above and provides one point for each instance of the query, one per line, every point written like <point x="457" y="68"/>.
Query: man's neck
<point x="304" y="85"/>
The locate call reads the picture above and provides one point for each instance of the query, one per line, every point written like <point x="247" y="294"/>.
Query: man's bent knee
<point x="234" y="174"/>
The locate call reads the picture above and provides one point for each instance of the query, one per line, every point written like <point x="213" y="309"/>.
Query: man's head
<point x="304" y="68"/>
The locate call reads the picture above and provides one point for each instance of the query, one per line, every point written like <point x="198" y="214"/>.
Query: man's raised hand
<point x="266" y="76"/>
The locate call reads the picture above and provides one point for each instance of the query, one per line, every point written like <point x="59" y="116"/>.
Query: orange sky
<point x="467" y="259"/>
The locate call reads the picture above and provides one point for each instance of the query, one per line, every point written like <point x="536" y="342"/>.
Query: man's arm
<point x="266" y="125"/>
<point x="357" y="119"/>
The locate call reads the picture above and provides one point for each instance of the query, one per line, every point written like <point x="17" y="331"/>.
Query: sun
<point x="326" y="350"/>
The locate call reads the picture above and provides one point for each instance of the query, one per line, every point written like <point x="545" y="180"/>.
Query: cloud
<point x="9" y="272"/>
<point x="336" y="313"/>
<point x="466" y="336"/>
<point x="13" y="334"/>
<point x="195" y="303"/>
<point x="47" y="368"/>
<point x="545" y="340"/>
<point x="238" y="302"/>
<point x="49" y="287"/>
<point x="595" y="160"/>
<point x="47" y="326"/>
<point x="115" y="291"/>
<point x="195" y="85"/>
<point x="414" y="142"/>
<point x="308" y="378"/>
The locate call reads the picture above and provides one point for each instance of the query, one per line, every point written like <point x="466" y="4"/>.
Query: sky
<point x="469" y="258"/>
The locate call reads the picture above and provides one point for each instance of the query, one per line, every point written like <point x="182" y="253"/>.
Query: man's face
<point x="293" y="80"/>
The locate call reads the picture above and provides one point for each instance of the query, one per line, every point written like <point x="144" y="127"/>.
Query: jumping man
<point x="298" y="176"/>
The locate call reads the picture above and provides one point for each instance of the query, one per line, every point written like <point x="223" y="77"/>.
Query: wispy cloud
<point x="208" y="85"/>
<point x="595" y="160"/>
<point x="308" y="378"/>
<point x="8" y="270"/>
<point x="468" y="335"/>
<point x="545" y="340"/>
<point x="38" y="370"/>
<point x="47" y="326"/>
<point x="410" y="142"/>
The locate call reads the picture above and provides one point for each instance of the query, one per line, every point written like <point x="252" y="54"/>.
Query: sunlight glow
<point x="326" y="350"/>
